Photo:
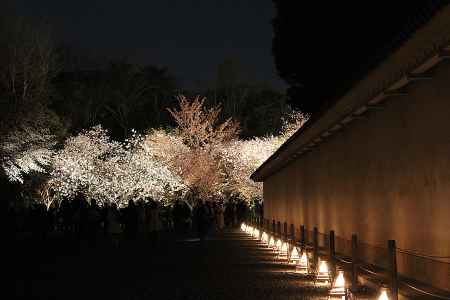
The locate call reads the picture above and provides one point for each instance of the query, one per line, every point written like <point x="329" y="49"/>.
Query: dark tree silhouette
<point x="322" y="48"/>
<point x="121" y="97"/>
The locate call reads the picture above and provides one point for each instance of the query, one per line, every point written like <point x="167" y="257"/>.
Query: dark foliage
<point x="322" y="48"/>
<point x="121" y="97"/>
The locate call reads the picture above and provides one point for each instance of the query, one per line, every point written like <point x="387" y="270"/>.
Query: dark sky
<point x="190" y="37"/>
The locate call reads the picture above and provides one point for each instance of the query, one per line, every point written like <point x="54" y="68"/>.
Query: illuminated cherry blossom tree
<point x="28" y="128"/>
<point x="109" y="171"/>
<point x="201" y="154"/>
<point x="201" y="127"/>
<point x="201" y="130"/>
<point x="242" y="157"/>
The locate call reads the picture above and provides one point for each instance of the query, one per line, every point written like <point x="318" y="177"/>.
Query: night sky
<point x="189" y="37"/>
<point x="192" y="37"/>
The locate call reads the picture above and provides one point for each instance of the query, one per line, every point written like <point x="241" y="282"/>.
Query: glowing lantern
<point x="294" y="258"/>
<point x="249" y="229"/>
<point x="338" y="289"/>
<point x="278" y="244"/>
<point x="383" y="294"/>
<point x="322" y="276"/>
<point x="256" y="233"/>
<point x="272" y="243"/>
<point x="243" y="227"/>
<point x="284" y="251"/>
<point x="303" y="264"/>
<point x="264" y="238"/>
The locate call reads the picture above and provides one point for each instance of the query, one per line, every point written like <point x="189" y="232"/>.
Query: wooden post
<point x="302" y="236"/>
<point x="332" y="252"/>
<point x="393" y="279"/>
<point x="285" y="232"/>
<point x="355" y="260"/>
<point x="332" y="246"/>
<point x="292" y="229"/>
<point x="316" y="246"/>
<point x="273" y="226"/>
<point x="279" y="228"/>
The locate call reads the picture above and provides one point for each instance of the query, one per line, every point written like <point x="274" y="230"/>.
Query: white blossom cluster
<point x="25" y="150"/>
<point x="242" y="158"/>
<point x="158" y="164"/>
<point x="109" y="171"/>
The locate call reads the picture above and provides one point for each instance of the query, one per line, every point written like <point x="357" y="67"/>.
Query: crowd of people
<point x="207" y="216"/>
<point x="82" y="219"/>
<point x="140" y="219"/>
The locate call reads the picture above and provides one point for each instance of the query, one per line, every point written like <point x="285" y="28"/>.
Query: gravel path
<point x="228" y="265"/>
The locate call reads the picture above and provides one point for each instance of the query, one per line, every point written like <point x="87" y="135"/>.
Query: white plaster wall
<point x="386" y="176"/>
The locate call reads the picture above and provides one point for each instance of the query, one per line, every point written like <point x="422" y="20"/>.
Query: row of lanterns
<point x="302" y="264"/>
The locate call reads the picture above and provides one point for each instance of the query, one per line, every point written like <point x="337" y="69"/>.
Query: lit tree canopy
<point x="200" y="126"/>
<point x="202" y="154"/>
<point x="110" y="171"/>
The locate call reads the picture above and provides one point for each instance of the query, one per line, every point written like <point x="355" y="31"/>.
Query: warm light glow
<point x="340" y="280"/>
<point x="278" y="245"/>
<point x="304" y="259"/>
<point x="303" y="265"/>
<point x="264" y="237"/>
<point x="323" y="268"/>
<point x="284" y="251"/>
<point x="339" y="285"/>
<point x="256" y="233"/>
<point x="322" y="275"/>
<point x="383" y="295"/>
<point x="271" y="242"/>
<point x="243" y="227"/>
<point x="250" y="230"/>
<point x="294" y="258"/>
